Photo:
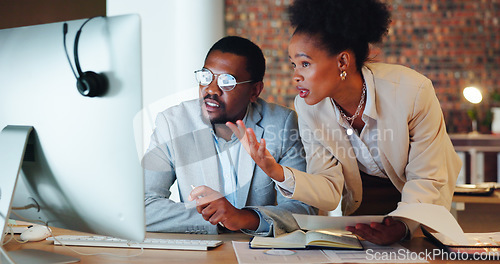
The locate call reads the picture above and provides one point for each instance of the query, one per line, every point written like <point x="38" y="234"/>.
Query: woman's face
<point x="316" y="72"/>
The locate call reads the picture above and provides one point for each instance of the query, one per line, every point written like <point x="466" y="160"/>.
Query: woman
<point x="374" y="133"/>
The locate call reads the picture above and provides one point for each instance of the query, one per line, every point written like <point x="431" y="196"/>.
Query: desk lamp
<point x="473" y="95"/>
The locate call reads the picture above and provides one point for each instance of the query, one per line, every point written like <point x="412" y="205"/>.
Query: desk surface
<point x="491" y="199"/>
<point x="222" y="254"/>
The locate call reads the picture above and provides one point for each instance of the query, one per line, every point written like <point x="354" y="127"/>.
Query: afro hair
<point x="342" y="24"/>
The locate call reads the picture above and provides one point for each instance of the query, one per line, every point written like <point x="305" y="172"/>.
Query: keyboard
<point x="148" y="243"/>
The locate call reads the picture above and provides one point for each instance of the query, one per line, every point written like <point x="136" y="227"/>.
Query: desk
<point x="478" y="213"/>
<point x="472" y="144"/>
<point x="222" y="254"/>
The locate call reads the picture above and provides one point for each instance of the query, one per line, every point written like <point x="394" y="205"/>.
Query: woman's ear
<point x="256" y="90"/>
<point x="343" y="60"/>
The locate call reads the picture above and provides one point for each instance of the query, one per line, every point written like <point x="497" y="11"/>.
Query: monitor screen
<point x="82" y="166"/>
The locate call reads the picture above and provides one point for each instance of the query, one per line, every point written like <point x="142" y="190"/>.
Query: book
<point x="479" y="243"/>
<point x="306" y="239"/>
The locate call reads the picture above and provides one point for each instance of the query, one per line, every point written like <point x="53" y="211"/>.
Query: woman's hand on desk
<point x="257" y="150"/>
<point x="388" y="232"/>
<point x="215" y="208"/>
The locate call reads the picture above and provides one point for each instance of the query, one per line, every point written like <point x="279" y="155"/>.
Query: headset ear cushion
<point x="92" y="84"/>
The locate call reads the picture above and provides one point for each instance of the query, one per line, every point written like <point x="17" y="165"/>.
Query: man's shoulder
<point x="185" y="115"/>
<point x="273" y="116"/>
<point x="268" y="109"/>
<point x="183" y="107"/>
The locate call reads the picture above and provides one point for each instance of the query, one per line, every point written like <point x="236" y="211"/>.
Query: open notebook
<point x="318" y="232"/>
<point x="303" y="239"/>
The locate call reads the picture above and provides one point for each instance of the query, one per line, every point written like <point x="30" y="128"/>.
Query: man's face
<point x="222" y="106"/>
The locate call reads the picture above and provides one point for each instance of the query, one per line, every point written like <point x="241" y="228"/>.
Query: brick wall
<point x="456" y="43"/>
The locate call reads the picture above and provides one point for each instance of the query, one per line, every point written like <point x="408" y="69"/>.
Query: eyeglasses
<point x="225" y="81"/>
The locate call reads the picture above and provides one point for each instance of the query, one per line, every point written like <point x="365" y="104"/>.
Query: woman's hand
<point x="388" y="232"/>
<point x="257" y="150"/>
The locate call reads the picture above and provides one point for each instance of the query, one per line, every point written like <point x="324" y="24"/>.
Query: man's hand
<point x="215" y="208"/>
<point x="257" y="150"/>
<point x="388" y="232"/>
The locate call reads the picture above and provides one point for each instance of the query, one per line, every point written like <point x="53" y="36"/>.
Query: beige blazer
<point x="416" y="152"/>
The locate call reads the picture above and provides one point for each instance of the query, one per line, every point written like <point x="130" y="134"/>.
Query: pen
<point x="192" y="188"/>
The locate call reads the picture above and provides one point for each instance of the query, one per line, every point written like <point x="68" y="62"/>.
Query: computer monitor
<point x="82" y="168"/>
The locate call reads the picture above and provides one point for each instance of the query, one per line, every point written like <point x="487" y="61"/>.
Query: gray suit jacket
<point x="182" y="148"/>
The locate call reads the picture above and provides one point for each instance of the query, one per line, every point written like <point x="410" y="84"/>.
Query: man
<point x="192" y="144"/>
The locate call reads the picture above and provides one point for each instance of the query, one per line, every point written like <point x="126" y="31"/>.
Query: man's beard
<point x="219" y="120"/>
<point x="216" y="120"/>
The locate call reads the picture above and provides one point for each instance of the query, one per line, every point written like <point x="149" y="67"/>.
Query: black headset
<point x="88" y="83"/>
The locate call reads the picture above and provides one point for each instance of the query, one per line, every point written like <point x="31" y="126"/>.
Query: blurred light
<point x="473" y="95"/>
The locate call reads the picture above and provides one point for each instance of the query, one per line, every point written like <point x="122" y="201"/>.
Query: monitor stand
<point x="13" y="142"/>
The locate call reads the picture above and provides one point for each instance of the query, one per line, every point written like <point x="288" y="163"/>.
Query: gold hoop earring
<point x="343" y="75"/>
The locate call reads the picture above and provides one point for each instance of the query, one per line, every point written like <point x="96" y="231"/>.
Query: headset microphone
<point x="88" y="83"/>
